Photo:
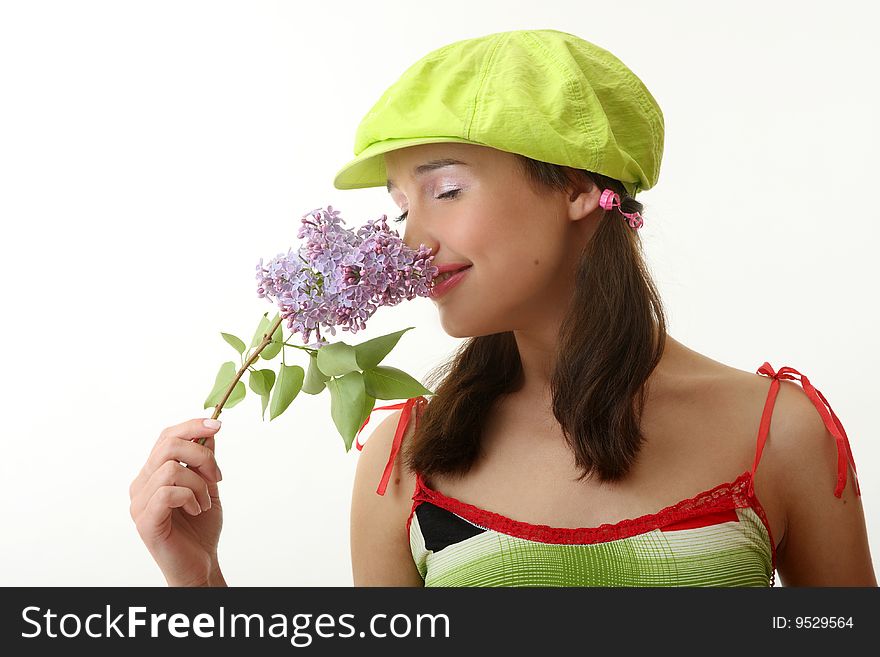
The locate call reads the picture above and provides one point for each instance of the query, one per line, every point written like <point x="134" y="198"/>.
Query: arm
<point x="380" y="550"/>
<point x="825" y="541"/>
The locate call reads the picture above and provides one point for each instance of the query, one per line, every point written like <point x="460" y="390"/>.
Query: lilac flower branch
<point x="338" y="277"/>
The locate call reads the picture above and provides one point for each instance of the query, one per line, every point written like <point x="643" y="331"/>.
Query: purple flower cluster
<point x="340" y="278"/>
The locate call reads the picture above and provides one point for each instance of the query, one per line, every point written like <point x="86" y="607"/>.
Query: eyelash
<point x="452" y="193"/>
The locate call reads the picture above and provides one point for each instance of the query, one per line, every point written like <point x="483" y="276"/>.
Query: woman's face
<point x="523" y="247"/>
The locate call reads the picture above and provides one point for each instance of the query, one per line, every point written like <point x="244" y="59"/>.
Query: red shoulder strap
<point x="407" y="407"/>
<point x="844" y="451"/>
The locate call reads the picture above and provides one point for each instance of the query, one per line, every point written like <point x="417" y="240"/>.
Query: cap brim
<point x="368" y="168"/>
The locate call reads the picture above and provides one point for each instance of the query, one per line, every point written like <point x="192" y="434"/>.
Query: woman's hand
<point x="177" y="509"/>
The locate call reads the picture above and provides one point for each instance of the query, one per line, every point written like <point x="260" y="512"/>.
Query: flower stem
<point x="299" y="346"/>
<point x="267" y="340"/>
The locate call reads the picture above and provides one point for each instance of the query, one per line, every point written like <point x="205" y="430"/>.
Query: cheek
<point x="530" y="268"/>
<point x="519" y="272"/>
<point x="526" y="243"/>
<point x="508" y="236"/>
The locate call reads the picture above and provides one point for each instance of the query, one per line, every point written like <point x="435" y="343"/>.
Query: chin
<point x="456" y="332"/>
<point x="466" y="329"/>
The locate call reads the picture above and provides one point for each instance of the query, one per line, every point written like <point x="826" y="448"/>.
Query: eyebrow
<point x="422" y="169"/>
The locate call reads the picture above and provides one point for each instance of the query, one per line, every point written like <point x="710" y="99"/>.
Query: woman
<point x="571" y="441"/>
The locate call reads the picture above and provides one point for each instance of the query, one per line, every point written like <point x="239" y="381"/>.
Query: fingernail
<point x="211" y="423"/>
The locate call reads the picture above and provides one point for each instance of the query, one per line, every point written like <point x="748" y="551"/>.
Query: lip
<point x="439" y="289"/>
<point x="452" y="266"/>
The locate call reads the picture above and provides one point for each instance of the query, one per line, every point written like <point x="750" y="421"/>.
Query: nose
<point x="414" y="237"/>
<point x="416" y="244"/>
<point x="410" y="240"/>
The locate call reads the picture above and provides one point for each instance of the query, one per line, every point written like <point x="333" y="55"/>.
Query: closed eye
<point x="452" y="193"/>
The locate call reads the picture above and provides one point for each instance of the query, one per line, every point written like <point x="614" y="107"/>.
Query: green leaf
<point x="236" y="343"/>
<point x="256" y="382"/>
<point x="261" y="330"/>
<point x="261" y="382"/>
<point x="370" y="353"/>
<point x="290" y="379"/>
<point x="315" y="380"/>
<point x="349" y="405"/>
<point x="385" y="382"/>
<point x="369" y="403"/>
<point x="221" y="382"/>
<point x="269" y="376"/>
<point x="337" y="359"/>
<point x="275" y="346"/>
<point x="238" y="393"/>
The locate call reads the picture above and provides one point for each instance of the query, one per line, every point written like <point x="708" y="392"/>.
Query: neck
<point x="537" y="355"/>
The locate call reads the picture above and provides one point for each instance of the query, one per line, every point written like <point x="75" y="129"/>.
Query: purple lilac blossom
<point x="340" y="278"/>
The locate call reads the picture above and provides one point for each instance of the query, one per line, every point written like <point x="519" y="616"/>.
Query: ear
<point x="583" y="197"/>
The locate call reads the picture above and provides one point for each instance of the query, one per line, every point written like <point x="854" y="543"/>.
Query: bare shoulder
<point x="375" y="454"/>
<point x="380" y="549"/>
<point x="825" y="541"/>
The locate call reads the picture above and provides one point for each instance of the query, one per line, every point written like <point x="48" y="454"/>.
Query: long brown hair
<point x="610" y="341"/>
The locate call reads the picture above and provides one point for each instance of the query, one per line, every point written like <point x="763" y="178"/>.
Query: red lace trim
<point x="723" y="497"/>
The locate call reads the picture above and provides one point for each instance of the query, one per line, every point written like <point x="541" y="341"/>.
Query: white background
<point x="152" y="152"/>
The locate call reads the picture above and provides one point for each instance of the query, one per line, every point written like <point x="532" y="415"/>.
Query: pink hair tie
<point x="611" y="199"/>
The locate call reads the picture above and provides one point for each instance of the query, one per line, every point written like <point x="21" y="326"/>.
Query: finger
<point x="210" y="443"/>
<point x="198" y="457"/>
<point x="173" y="473"/>
<point x="190" y="429"/>
<point x="185" y="432"/>
<point x="153" y="522"/>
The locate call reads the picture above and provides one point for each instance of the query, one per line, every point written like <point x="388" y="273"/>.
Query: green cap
<point x="545" y="94"/>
